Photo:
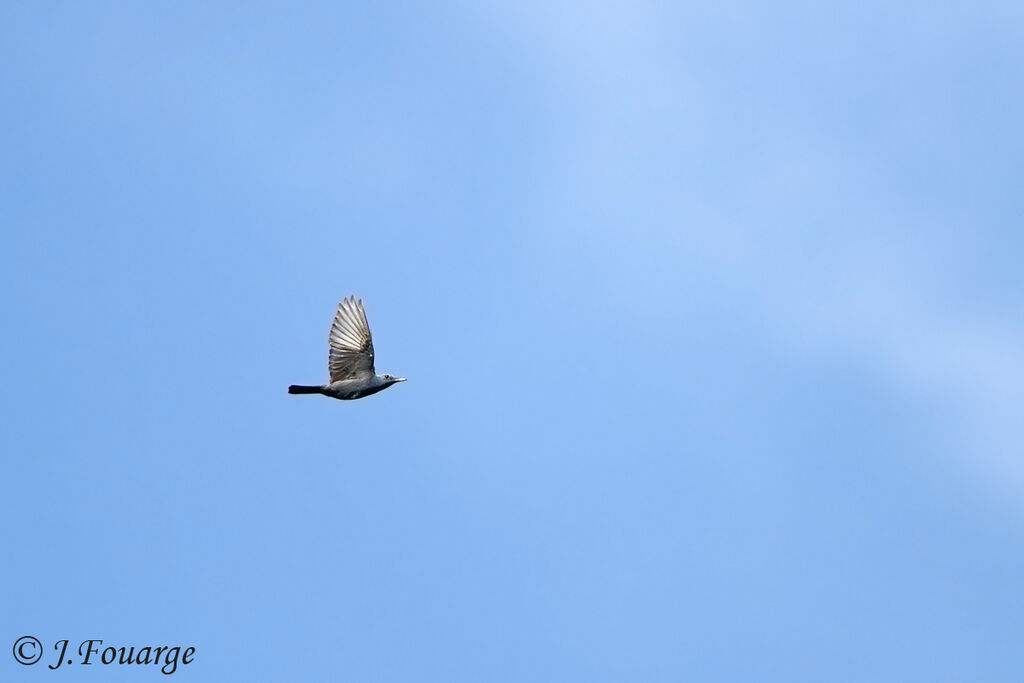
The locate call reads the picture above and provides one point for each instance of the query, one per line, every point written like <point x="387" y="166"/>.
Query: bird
<point x="350" y="360"/>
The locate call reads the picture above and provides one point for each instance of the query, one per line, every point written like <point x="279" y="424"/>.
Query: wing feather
<point x="351" y="353"/>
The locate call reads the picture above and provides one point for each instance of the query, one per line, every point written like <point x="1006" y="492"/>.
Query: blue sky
<point x="710" y="313"/>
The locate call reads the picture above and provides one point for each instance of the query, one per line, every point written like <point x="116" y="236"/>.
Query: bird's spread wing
<point x="351" y="346"/>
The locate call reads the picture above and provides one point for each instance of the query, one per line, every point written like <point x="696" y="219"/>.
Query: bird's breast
<point x="348" y="389"/>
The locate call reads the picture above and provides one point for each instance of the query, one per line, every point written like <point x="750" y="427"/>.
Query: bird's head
<point x="391" y="379"/>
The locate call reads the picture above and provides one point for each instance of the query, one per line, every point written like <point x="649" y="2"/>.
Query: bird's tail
<point x="299" y="389"/>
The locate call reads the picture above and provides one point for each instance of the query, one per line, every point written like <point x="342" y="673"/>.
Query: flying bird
<point x="351" y="357"/>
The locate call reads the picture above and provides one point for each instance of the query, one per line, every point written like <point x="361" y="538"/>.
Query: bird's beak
<point x="399" y="379"/>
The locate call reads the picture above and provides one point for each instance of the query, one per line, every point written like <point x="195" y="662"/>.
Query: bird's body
<point x="347" y="389"/>
<point x="351" y="358"/>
